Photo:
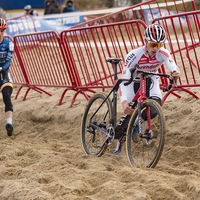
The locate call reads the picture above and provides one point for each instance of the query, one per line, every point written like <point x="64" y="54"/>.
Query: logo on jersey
<point x="143" y="60"/>
<point x="130" y="57"/>
<point x="11" y="46"/>
<point x="151" y="67"/>
<point x="3" y="54"/>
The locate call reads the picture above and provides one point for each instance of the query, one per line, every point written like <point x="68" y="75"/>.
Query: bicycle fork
<point x="148" y="133"/>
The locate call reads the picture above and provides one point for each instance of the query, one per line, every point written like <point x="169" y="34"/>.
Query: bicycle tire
<point x="91" y="142"/>
<point x="142" y="152"/>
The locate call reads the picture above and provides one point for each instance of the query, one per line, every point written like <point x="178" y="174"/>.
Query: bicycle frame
<point x="113" y="120"/>
<point x="139" y="97"/>
<point x="99" y="123"/>
<point x="114" y="91"/>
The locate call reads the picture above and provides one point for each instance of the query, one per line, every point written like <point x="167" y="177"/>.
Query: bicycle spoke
<point x="94" y="129"/>
<point x="145" y="150"/>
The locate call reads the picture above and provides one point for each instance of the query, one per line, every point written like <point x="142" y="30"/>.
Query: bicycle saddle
<point x="111" y="60"/>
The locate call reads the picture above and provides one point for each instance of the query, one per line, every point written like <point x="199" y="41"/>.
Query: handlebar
<point x="135" y="69"/>
<point x="169" y="86"/>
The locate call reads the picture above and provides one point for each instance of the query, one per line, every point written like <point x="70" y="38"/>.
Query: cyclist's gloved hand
<point x="174" y="74"/>
<point x="2" y="70"/>
<point x="126" y="108"/>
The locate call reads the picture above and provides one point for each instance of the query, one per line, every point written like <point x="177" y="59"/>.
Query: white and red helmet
<point x="3" y="24"/>
<point x="27" y="7"/>
<point x="155" y="33"/>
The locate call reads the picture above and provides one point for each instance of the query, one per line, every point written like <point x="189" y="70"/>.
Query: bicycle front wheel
<point x="145" y="150"/>
<point x="91" y="135"/>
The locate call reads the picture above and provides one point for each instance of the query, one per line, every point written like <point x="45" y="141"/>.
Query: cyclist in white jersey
<point x="6" y="87"/>
<point x="29" y="11"/>
<point x="150" y="57"/>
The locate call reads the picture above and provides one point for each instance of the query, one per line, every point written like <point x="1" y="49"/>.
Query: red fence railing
<point x="183" y="39"/>
<point x="42" y="61"/>
<point x="146" y="11"/>
<point x="89" y="46"/>
<point x="76" y="59"/>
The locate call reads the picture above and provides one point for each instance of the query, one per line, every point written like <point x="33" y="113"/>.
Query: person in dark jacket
<point x="69" y="7"/>
<point x="51" y="7"/>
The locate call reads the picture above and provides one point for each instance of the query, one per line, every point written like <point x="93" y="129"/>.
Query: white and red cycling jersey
<point x="150" y="64"/>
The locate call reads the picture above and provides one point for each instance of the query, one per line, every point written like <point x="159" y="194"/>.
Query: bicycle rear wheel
<point x="91" y="137"/>
<point x="145" y="151"/>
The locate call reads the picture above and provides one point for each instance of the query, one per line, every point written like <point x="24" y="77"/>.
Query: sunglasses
<point x="151" y="44"/>
<point x="2" y="30"/>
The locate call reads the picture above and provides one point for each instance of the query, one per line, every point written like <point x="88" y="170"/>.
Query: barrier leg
<point x="74" y="98"/>
<point x="40" y="90"/>
<point x="165" y="97"/>
<point x="19" y="91"/>
<point x="189" y="92"/>
<point x="175" y="89"/>
<point x="179" y="96"/>
<point x="33" y="88"/>
<point x="26" y="93"/>
<point x="86" y="95"/>
<point x="62" y="96"/>
<point x="82" y="92"/>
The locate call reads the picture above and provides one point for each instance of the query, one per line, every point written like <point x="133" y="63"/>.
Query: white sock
<point x="118" y="145"/>
<point x="9" y="120"/>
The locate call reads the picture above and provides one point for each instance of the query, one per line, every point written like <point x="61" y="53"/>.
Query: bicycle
<point x="99" y="128"/>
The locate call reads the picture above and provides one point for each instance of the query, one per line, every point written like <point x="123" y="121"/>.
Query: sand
<point x="44" y="159"/>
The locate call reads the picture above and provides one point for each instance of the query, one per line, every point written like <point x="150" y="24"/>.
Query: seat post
<point x="115" y="70"/>
<point x="114" y="62"/>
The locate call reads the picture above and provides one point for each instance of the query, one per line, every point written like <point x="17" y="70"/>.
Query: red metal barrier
<point x="42" y="61"/>
<point x="88" y="47"/>
<point x="183" y="39"/>
<point x="76" y="59"/>
<point x="138" y="12"/>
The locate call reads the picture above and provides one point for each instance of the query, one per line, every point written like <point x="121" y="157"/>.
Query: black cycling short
<point x="6" y="89"/>
<point x="5" y="80"/>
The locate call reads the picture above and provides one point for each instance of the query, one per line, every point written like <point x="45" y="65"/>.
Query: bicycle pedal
<point x="102" y="124"/>
<point x="97" y="145"/>
<point x="89" y="130"/>
<point x="148" y="142"/>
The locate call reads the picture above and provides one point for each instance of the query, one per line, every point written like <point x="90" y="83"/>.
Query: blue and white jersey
<point x="6" y="52"/>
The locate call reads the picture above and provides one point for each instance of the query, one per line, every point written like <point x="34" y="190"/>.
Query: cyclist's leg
<point x="153" y="113"/>
<point x="6" y="89"/>
<point x="153" y="92"/>
<point x="131" y="91"/>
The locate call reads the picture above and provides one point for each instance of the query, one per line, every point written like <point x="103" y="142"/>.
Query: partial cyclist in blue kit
<point x="149" y="57"/>
<point x="6" y="52"/>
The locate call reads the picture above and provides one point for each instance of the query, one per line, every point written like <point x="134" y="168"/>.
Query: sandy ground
<point x="44" y="159"/>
